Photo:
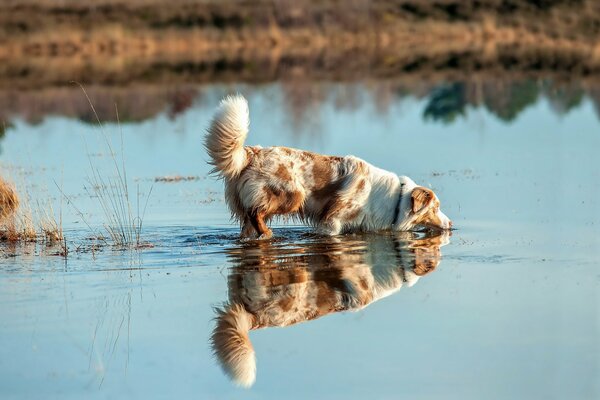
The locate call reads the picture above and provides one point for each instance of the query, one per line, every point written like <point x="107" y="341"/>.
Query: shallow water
<point x="506" y="307"/>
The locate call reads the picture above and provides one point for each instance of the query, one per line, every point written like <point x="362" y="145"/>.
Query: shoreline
<point x="51" y="43"/>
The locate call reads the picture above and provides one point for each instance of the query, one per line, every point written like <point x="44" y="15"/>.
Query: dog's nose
<point x="449" y="224"/>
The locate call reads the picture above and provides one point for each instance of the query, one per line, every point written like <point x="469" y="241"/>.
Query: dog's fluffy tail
<point x="225" y="138"/>
<point x="231" y="345"/>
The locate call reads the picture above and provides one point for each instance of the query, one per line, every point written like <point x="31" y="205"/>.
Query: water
<point x="506" y="307"/>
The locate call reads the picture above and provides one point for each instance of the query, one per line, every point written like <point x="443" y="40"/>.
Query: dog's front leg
<point x="258" y="222"/>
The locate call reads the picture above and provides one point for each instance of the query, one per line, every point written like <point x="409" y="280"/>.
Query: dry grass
<point x="9" y="200"/>
<point x="17" y="224"/>
<point x="18" y="229"/>
<point x="50" y="228"/>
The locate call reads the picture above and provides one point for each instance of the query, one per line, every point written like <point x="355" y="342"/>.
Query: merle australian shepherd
<point x="333" y="194"/>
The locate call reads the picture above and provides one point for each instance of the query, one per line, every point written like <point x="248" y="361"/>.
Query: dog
<point x="333" y="194"/>
<point x="320" y="278"/>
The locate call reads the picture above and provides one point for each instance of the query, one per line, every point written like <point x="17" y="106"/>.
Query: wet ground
<point x="505" y="307"/>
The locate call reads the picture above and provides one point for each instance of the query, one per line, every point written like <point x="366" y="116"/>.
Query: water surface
<point x="506" y="307"/>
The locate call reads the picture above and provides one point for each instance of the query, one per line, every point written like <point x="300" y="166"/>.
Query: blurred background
<point x="154" y="56"/>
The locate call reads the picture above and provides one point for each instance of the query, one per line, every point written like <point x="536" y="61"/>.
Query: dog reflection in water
<point x="275" y="286"/>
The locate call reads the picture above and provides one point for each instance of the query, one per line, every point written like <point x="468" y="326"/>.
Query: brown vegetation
<point x="17" y="222"/>
<point x="113" y="42"/>
<point x="9" y="200"/>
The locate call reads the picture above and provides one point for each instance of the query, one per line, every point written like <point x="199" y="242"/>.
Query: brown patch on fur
<point x="272" y="192"/>
<point x="329" y="190"/>
<point x="351" y="183"/>
<point x="280" y="202"/>
<point x="327" y="199"/>
<point x="322" y="172"/>
<point x="283" y="173"/>
<point x="364" y="285"/>
<point x="361" y="185"/>
<point x="275" y="277"/>
<point x="421" y="197"/>
<point x="286" y="303"/>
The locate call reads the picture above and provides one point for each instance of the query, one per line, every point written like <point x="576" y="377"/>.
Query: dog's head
<point x="421" y="208"/>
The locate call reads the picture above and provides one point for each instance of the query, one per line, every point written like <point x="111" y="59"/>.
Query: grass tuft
<point x="50" y="229"/>
<point x="17" y="224"/>
<point x="123" y="221"/>
<point x="9" y="200"/>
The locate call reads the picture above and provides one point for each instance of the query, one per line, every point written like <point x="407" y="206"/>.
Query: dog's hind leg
<point x="248" y="230"/>
<point x="258" y="222"/>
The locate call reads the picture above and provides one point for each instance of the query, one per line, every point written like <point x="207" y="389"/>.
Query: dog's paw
<point x="266" y="235"/>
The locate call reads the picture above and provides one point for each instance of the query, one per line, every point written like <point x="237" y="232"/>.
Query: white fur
<point x="226" y="135"/>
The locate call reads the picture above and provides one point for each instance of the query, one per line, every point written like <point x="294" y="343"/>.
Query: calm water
<point x="506" y="307"/>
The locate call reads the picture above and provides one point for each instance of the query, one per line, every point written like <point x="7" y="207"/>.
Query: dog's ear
<point x="426" y="260"/>
<point x="421" y="197"/>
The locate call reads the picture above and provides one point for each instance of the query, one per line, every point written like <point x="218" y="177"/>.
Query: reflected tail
<point x="231" y="344"/>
